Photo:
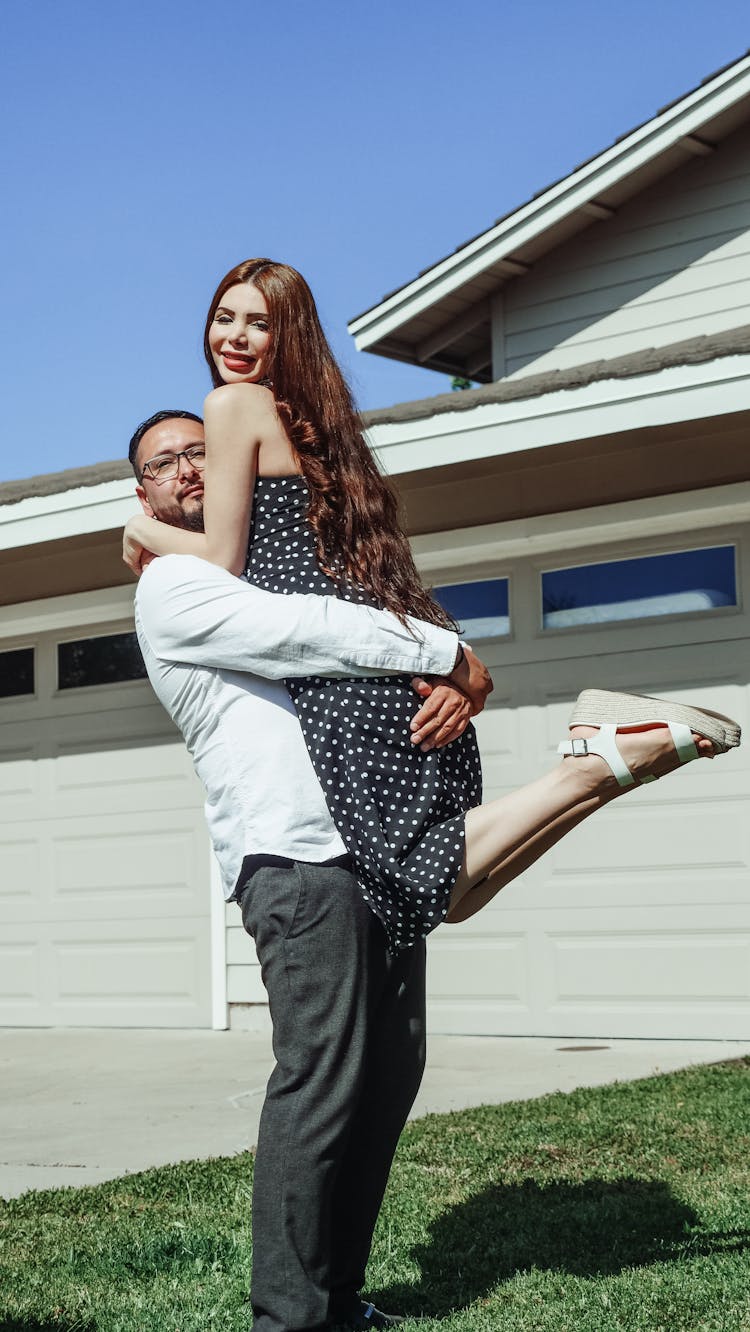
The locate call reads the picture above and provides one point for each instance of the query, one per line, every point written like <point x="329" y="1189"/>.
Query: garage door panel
<point x="20" y="872"/>
<point x="486" y="981"/>
<point x="121" y="873"/>
<point x="512" y="744"/>
<point x="126" y="969"/>
<point x="634" y="892"/>
<point x="679" y="965"/>
<point x="668" y="980"/>
<point x="20" y="781"/>
<point x="476" y="966"/>
<point x="102" y="714"/>
<point x="545" y="889"/>
<point x="104" y="866"/>
<point x="499" y="736"/>
<point x="672" y="977"/>
<point x="134" y="774"/>
<point x="669" y="837"/>
<point x="138" y="974"/>
<point x="78" y="869"/>
<point x="552" y="718"/>
<point x="20" y="970"/>
<point x="481" y="1017"/>
<point x="498" y="729"/>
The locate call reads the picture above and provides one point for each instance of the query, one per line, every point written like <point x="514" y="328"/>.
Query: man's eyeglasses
<point x="166" y="466"/>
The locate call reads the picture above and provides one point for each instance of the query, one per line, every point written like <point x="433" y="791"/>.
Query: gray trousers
<point x="349" y="1041"/>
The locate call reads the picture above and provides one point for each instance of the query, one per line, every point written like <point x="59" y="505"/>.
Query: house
<point x="586" y="514"/>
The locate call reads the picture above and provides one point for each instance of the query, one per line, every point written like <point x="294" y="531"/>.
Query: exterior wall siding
<point x="673" y="263"/>
<point x="247" y="1001"/>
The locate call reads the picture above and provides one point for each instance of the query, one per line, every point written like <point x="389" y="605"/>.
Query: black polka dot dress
<point x="399" y="812"/>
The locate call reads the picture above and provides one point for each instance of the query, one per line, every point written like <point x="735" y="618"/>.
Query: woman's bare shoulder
<point x="251" y="399"/>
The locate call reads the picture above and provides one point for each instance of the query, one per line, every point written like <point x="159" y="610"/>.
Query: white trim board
<point x="67" y="513"/>
<point x="606" y="407"/>
<point x="576" y="191"/>
<point x="103" y="606"/>
<point x="692" y="511"/>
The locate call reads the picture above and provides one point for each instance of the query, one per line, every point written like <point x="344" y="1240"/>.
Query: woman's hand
<point x="444" y="715"/>
<point x="135" y="551"/>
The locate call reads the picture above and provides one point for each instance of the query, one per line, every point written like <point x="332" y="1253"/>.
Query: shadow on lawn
<point x="593" y="1229"/>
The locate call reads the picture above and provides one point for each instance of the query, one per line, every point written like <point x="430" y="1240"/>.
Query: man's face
<point x="178" y="501"/>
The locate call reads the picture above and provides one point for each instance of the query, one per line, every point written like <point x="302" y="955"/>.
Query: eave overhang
<point x="594" y="410"/>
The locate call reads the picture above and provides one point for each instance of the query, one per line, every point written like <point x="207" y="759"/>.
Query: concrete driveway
<point x="81" y="1106"/>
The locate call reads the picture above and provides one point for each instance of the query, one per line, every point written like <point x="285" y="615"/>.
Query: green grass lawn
<point x="625" y="1207"/>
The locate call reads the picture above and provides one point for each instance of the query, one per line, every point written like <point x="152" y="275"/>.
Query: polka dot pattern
<point x="399" y="811"/>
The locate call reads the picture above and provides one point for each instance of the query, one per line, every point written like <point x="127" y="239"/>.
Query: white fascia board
<point x="582" y="187"/>
<point x="28" y="619"/>
<point x="444" y="553"/>
<point x="606" y="407"/>
<point x="67" y="513"/>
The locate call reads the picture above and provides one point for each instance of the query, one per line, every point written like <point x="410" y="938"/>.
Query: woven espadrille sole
<point x="596" y="706"/>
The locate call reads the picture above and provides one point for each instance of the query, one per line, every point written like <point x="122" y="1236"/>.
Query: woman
<point x="294" y="498"/>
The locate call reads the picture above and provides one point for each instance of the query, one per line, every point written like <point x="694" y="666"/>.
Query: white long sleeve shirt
<point x="216" y="651"/>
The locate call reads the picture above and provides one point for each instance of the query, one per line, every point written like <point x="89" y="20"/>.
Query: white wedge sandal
<point x="613" y="712"/>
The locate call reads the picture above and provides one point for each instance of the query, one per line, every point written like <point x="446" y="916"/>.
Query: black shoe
<point x="368" y="1317"/>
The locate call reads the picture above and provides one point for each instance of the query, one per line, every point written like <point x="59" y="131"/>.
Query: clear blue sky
<point x="152" y="144"/>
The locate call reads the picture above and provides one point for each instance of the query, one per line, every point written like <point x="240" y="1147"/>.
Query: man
<point x="348" y="1018"/>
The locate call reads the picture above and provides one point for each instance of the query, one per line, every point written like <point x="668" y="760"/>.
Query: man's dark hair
<point x="156" y="419"/>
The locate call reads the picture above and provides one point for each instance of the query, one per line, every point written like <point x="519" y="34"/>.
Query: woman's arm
<point x="237" y="418"/>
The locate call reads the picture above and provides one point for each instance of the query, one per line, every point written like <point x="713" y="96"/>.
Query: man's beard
<point x="190" y="520"/>
<point x="193" y="519"/>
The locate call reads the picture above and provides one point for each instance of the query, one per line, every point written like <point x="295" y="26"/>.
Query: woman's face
<point x="239" y="335"/>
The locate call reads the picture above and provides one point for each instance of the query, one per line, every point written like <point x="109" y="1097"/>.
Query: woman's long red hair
<point x="353" y="508"/>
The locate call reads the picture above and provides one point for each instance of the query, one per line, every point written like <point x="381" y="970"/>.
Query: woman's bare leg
<point x="517" y="863"/>
<point x="507" y="835"/>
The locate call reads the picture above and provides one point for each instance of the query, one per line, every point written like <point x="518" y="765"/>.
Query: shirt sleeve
<point x="196" y="613"/>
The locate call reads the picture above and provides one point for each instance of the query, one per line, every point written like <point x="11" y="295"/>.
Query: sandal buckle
<point x="579" y="747"/>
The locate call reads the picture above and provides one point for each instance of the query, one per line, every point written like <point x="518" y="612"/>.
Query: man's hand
<point x="444" y="715"/>
<point x="134" y="553"/>
<point x="473" y="679"/>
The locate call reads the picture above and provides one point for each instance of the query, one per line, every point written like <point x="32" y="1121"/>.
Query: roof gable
<point x="443" y="318"/>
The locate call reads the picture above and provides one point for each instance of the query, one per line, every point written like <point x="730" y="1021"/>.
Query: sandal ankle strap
<point x="605" y="745"/>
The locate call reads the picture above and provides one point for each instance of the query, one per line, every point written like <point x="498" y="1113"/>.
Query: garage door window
<point x="686" y="581"/>
<point x="16" y="672"/>
<point x="480" y="608"/>
<point x="109" y="659"/>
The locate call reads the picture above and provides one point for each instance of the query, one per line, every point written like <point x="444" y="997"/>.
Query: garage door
<point x="638" y="923"/>
<point x="104" y="863"/>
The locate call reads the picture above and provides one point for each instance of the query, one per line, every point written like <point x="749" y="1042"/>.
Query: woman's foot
<point x="647" y="752"/>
